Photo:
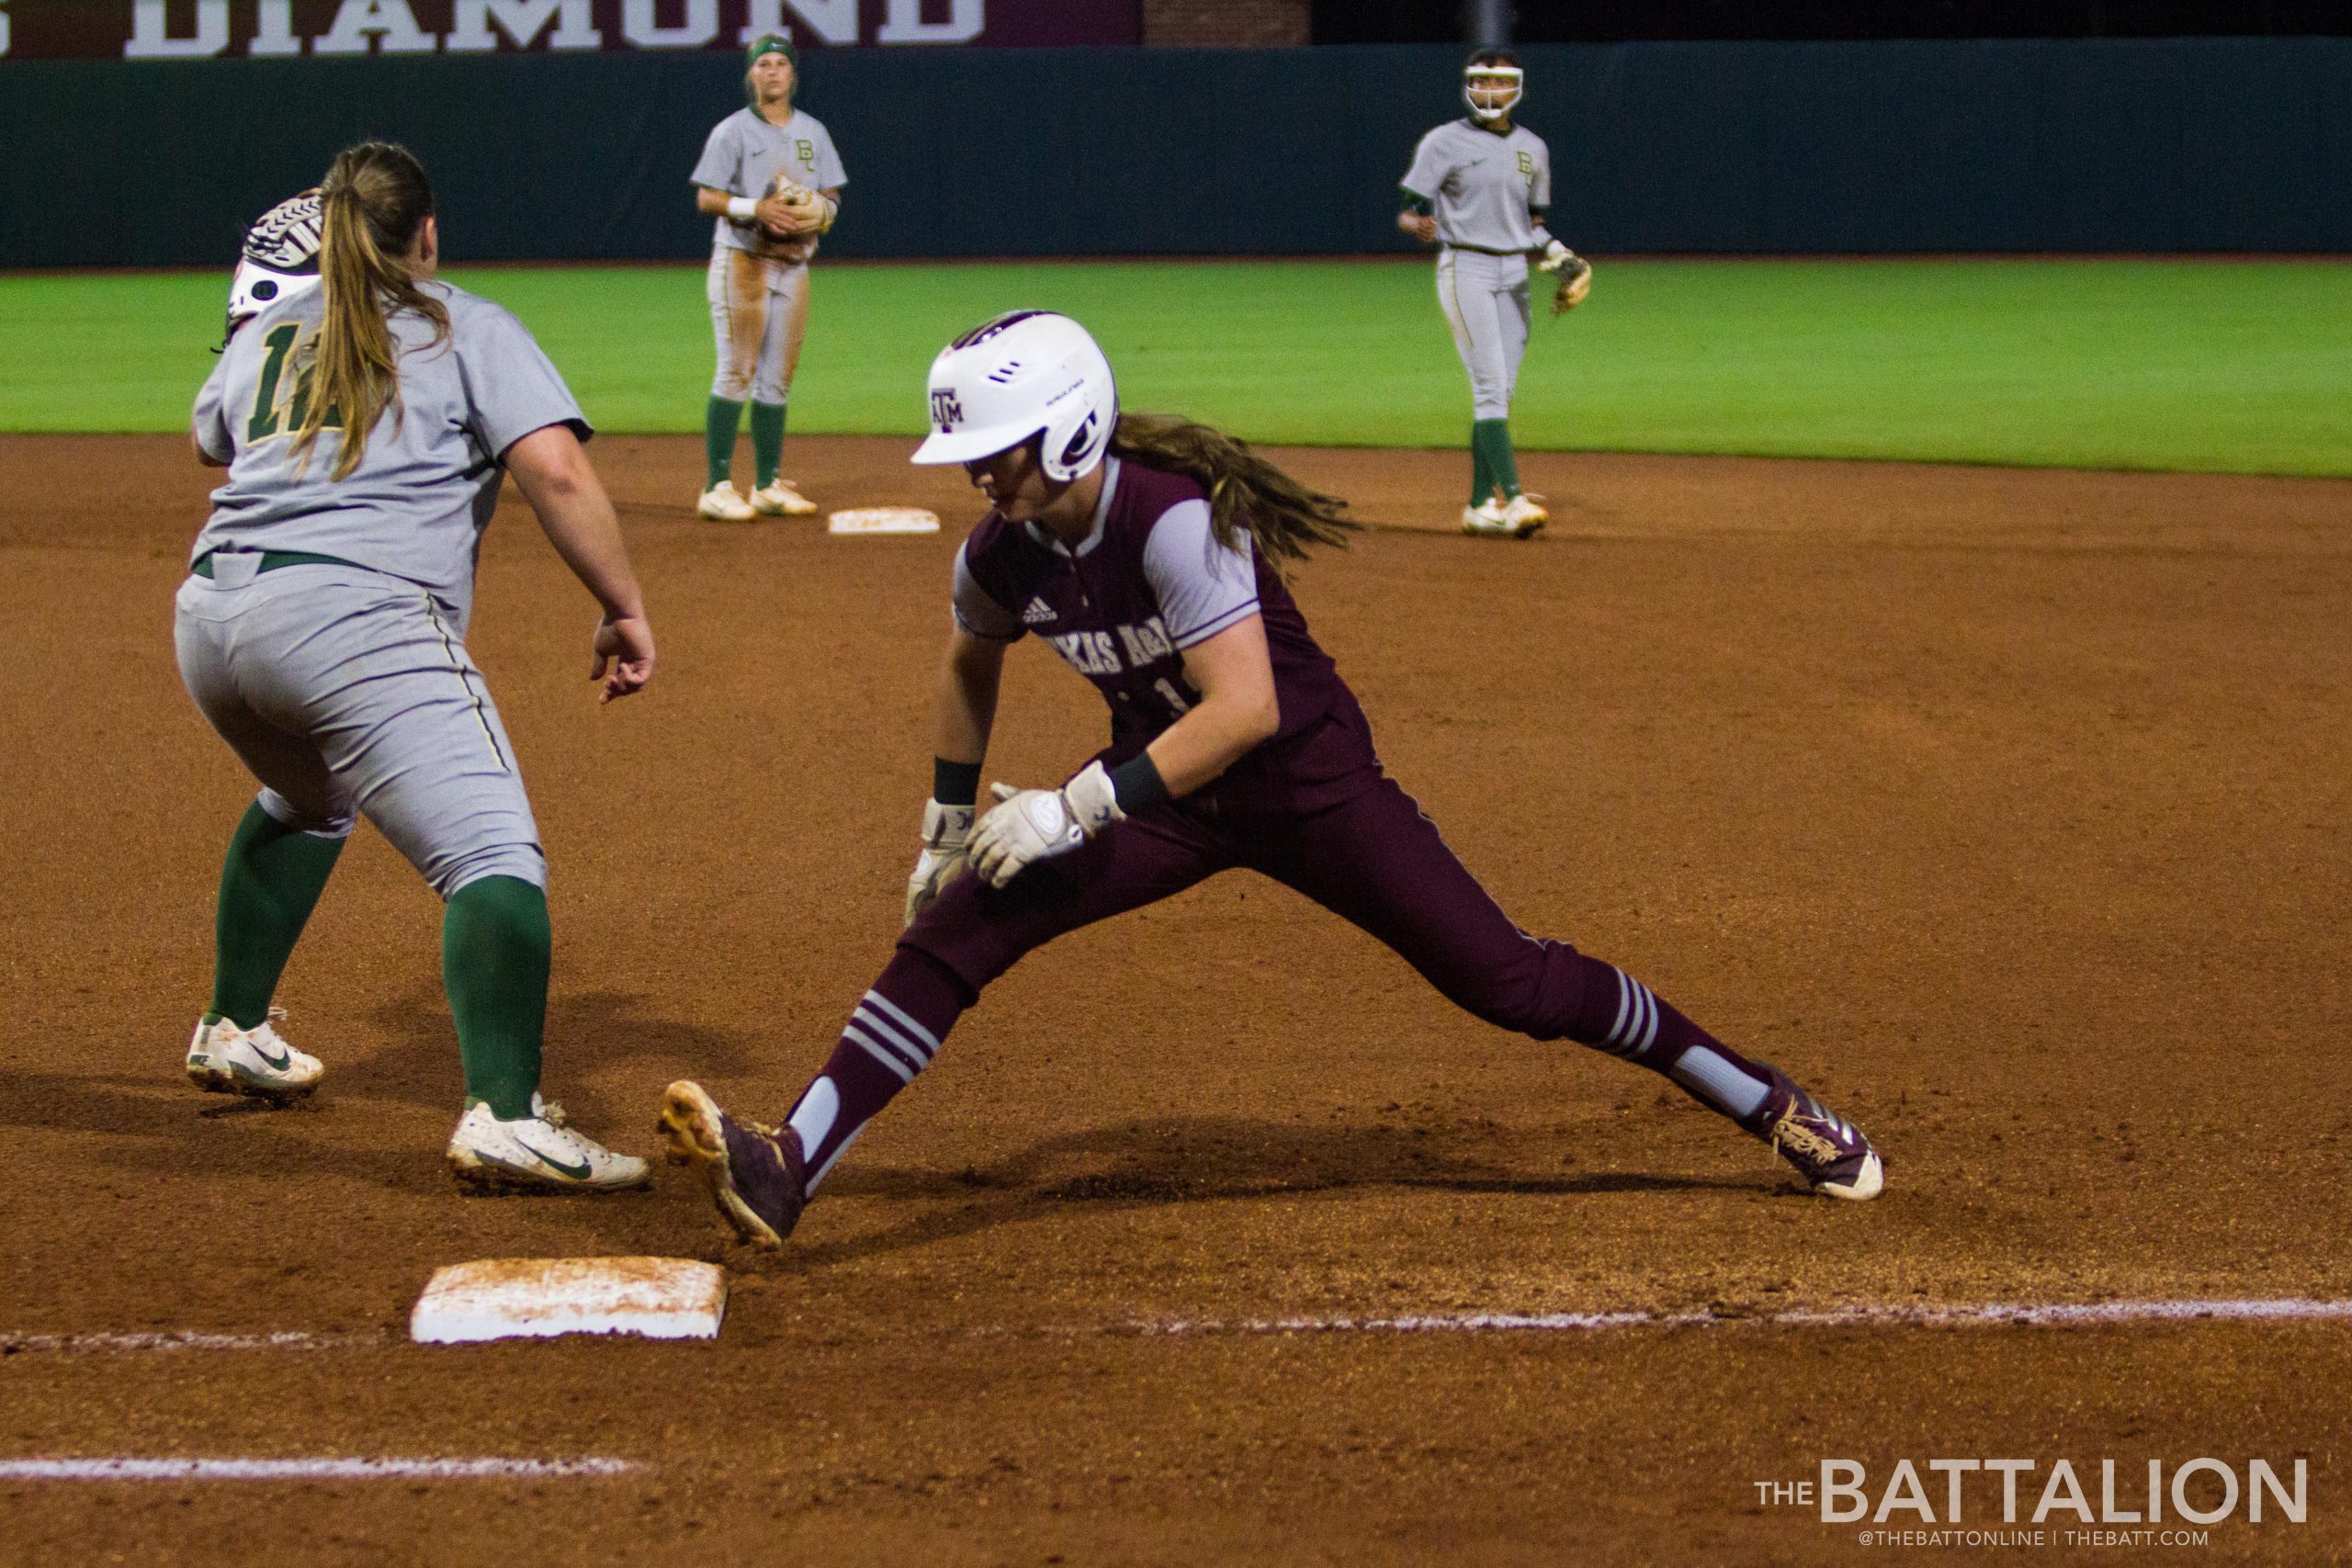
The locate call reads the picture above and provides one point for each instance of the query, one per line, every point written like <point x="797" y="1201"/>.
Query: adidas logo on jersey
<point x="1037" y="613"/>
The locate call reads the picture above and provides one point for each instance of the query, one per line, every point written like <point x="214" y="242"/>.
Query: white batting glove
<point x="1556" y="256"/>
<point x="945" y="829"/>
<point x="1029" y="825"/>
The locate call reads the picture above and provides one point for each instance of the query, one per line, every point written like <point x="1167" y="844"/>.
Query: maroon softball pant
<point x="1373" y="860"/>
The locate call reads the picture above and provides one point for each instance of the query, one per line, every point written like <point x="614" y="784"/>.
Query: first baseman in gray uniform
<point x="322" y="631"/>
<point x="756" y="161"/>
<point x="1480" y="187"/>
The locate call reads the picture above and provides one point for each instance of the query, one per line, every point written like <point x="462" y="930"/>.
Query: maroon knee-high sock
<point x="1623" y="1017"/>
<point x="890" y="1037"/>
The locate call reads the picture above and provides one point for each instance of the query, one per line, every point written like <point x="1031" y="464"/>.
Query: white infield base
<point x="538" y="1298"/>
<point x="307" y="1469"/>
<point x="883" y="520"/>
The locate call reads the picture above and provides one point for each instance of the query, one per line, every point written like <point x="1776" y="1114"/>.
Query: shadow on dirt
<point x="1220" y="1159"/>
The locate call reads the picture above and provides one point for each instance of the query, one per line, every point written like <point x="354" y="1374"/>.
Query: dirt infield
<point x="2008" y="808"/>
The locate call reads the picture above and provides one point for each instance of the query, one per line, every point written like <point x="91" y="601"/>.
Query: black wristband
<point x="954" y="784"/>
<point x="1135" y="784"/>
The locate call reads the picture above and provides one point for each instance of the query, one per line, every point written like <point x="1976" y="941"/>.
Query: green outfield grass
<point x="2239" y="366"/>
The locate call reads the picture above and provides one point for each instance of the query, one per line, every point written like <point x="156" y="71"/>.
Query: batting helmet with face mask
<point x="280" y="258"/>
<point x="1026" y="373"/>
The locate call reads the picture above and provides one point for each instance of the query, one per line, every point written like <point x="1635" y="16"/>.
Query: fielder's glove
<point x="812" y="212"/>
<point x="944" y="831"/>
<point x="1030" y="825"/>
<point x="1574" y="272"/>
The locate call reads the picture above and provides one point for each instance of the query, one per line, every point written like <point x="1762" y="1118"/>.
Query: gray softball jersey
<point x="745" y="152"/>
<point x="428" y="481"/>
<point x="1482" y="184"/>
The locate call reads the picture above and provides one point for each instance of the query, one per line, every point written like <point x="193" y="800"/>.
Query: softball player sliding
<point x="367" y="415"/>
<point x="1234" y="744"/>
<point x="1478" y="189"/>
<point x="759" y="273"/>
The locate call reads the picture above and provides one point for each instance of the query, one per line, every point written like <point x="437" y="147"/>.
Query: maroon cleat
<point x="754" y="1172"/>
<point x="1828" y="1150"/>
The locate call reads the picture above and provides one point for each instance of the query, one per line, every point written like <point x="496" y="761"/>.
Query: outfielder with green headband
<point x="770" y="176"/>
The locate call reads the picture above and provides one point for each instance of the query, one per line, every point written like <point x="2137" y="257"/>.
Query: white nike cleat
<point x="1488" y="521"/>
<point x="539" y="1152"/>
<point x="225" y="1060"/>
<point x="1525" y="514"/>
<point x="779" y="499"/>
<point x="721" y="504"/>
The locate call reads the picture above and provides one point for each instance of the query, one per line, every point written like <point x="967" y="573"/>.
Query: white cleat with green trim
<point x="225" y="1060"/>
<point x="537" y="1153"/>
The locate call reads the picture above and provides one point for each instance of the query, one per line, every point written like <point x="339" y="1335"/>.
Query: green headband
<point x="772" y="43"/>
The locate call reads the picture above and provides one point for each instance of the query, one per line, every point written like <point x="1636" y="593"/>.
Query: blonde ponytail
<point x="375" y="199"/>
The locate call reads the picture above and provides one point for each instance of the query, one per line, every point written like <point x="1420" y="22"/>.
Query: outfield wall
<point x="2026" y="145"/>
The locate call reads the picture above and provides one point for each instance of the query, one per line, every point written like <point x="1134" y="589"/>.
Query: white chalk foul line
<point x="2044" y="1314"/>
<point x="307" y="1468"/>
<point x="186" y="1340"/>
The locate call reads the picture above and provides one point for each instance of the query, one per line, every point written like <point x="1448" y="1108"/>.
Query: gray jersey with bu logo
<point x="1482" y="184"/>
<point x="428" y="481"/>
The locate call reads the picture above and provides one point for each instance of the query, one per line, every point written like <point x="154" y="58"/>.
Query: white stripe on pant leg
<point x="888" y="1059"/>
<point x="1625" y="1002"/>
<point x="1650" y="1019"/>
<point x="863" y="1026"/>
<point x="882" y="1046"/>
<point x="905" y="1017"/>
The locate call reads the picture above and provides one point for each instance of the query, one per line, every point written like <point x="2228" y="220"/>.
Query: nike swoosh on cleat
<point x="276" y="1064"/>
<point x="580" y="1172"/>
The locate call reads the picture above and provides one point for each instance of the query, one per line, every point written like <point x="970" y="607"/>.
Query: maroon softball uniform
<point x="1310" y="808"/>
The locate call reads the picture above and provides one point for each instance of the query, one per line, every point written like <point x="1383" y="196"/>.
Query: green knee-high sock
<point x="767" y="440"/>
<point x="719" y="428"/>
<point x="1491" y="439"/>
<point x="1482" y="477"/>
<point x="496" y="947"/>
<point x="269" y="885"/>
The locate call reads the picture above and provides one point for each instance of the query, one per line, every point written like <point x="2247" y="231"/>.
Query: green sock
<point x="1492" y="439"/>
<point x="496" y="947"/>
<point x="269" y="884"/>
<point x="719" y="427"/>
<point x="1482" y="479"/>
<point x="767" y="440"/>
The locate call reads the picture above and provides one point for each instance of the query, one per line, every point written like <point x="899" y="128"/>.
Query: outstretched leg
<point x="760" y="1176"/>
<point x="1379" y="862"/>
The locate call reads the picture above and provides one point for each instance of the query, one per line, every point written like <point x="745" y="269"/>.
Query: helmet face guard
<point x="280" y="258"/>
<point x="1503" y="86"/>
<point x="1025" y="374"/>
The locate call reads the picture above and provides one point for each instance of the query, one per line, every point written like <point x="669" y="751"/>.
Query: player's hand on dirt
<point x="946" y="832"/>
<point x="1029" y="825"/>
<point x="624" y="655"/>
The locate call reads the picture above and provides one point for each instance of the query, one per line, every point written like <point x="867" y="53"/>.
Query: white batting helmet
<point x="279" y="259"/>
<point x="1026" y="373"/>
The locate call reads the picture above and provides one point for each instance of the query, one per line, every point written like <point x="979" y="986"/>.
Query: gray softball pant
<point x="759" y="316"/>
<point x="349" y="693"/>
<point x="1485" y="301"/>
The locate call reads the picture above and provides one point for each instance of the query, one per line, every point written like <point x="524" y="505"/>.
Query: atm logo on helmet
<point x="947" y="413"/>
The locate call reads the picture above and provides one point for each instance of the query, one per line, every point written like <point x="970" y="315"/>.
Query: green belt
<point x="272" y="559"/>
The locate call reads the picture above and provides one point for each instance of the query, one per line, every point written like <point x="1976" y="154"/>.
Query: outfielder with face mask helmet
<point x="1148" y="553"/>
<point x="367" y="415"/>
<point x="770" y="179"/>
<point x="1480" y="188"/>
